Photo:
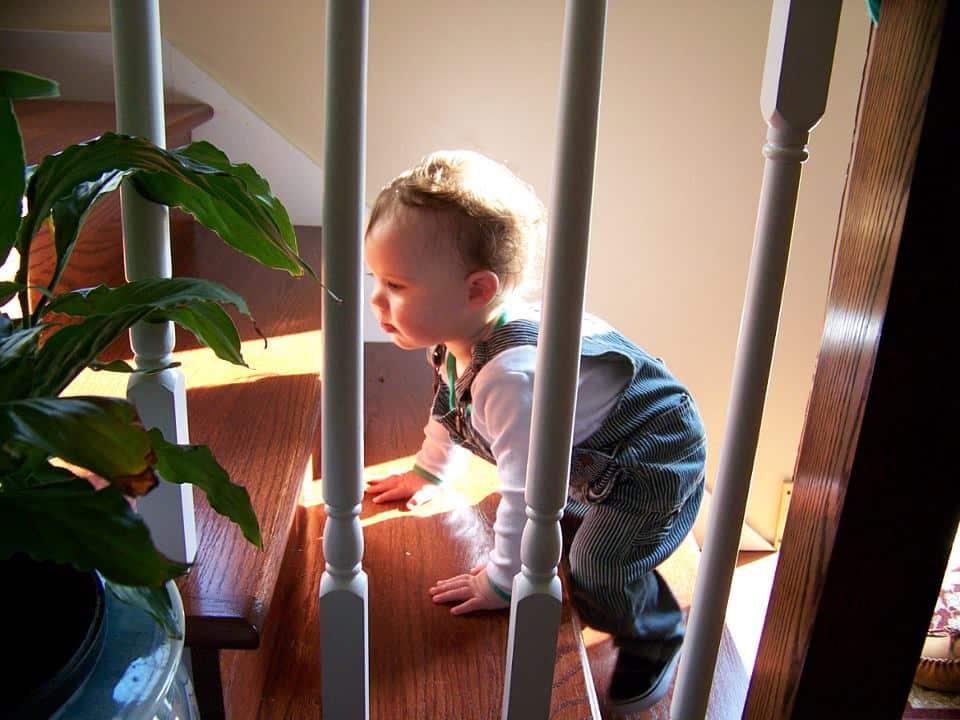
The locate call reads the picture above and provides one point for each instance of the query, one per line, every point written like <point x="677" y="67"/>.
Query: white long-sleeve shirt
<point x="502" y="396"/>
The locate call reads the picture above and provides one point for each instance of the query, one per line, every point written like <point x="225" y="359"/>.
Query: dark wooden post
<point x="875" y="503"/>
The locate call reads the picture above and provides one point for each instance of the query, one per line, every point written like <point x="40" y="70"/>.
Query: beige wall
<point x="678" y="167"/>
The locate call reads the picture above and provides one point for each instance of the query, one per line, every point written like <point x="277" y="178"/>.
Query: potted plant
<point x="49" y="511"/>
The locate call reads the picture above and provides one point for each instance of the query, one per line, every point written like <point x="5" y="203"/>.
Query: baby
<point x="449" y="244"/>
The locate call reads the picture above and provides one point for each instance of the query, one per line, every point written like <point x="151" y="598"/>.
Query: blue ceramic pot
<point x="55" y="630"/>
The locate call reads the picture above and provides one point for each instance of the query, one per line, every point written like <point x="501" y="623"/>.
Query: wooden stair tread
<point x="50" y="125"/>
<point x="424" y="662"/>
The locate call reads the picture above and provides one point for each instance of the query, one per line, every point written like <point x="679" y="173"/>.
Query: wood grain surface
<point x="424" y="662"/>
<point x="874" y="505"/>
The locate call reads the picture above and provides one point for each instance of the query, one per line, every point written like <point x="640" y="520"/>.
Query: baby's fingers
<point x="380" y="484"/>
<point x="450" y="594"/>
<point x="455" y="581"/>
<point x="391" y="495"/>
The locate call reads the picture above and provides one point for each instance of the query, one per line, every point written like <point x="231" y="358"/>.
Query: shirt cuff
<point x="426" y="475"/>
<point x="502" y="594"/>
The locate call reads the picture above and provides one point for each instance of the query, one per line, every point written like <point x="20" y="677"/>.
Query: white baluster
<point x="535" y="606"/>
<point x="161" y="398"/>
<point x="796" y="77"/>
<point x="343" y="586"/>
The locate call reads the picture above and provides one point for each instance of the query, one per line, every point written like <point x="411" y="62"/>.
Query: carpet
<point x="930" y="705"/>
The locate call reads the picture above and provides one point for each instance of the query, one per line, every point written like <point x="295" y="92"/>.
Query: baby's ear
<point x="482" y="287"/>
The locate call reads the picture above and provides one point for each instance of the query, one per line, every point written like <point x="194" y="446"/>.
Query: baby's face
<point x="421" y="292"/>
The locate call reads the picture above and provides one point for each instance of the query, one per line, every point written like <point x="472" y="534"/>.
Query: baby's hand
<point x="402" y="486"/>
<point x="472" y="588"/>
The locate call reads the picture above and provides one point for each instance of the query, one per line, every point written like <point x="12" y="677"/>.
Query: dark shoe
<point x="639" y="682"/>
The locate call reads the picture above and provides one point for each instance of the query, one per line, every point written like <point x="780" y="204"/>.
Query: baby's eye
<point x="393" y="285"/>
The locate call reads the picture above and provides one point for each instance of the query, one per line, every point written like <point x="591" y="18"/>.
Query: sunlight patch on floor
<point x="477" y="482"/>
<point x="296" y="354"/>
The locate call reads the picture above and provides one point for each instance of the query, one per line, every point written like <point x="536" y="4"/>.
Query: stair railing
<point x="344" y="645"/>
<point x="793" y="96"/>
<point x="536" y="595"/>
<point x="160" y="398"/>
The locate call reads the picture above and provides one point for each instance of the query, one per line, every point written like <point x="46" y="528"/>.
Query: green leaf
<point x="70" y="522"/>
<point x="20" y="342"/>
<point x="155" y="601"/>
<point x="11" y="178"/>
<point x="9" y="289"/>
<point x="152" y="294"/>
<point x="195" y="464"/>
<point x="107" y="313"/>
<point x="17" y="361"/>
<point x="217" y="198"/>
<point x="211" y="326"/>
<point x="19" y="85"/>
<point x="121" y="366"/>
<point x="72" y="348"/>
<point x="24" y="466"/>
<point x="69" y="212"/>
<point x="95" y="433"/>
<point x="209" y="155"/>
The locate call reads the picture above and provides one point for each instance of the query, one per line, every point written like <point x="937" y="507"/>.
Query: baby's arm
<point x="502" y="401"/>
<point x="503" y="415"/>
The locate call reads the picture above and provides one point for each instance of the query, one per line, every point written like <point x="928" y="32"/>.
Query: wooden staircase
<point x="252" y="616"/>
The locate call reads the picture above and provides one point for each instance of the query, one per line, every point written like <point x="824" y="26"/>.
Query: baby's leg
<point x="613" y="583"/>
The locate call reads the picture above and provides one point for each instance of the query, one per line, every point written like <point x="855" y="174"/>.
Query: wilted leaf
<point x="138" y="485"/>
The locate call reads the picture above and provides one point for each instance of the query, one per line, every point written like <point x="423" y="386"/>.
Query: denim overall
<point x="635" y="485"/>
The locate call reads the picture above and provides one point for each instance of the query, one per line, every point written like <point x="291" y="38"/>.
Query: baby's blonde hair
<point x="500" y="222"/>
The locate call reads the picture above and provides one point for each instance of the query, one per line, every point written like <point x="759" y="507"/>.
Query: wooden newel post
<point x="796" y="77"/>
<point x="160" y="398"/>
<point x="344" y="641"/>
<point x="536" y="596"/>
